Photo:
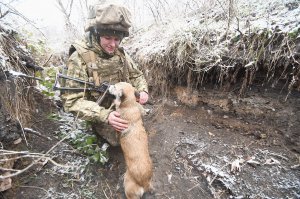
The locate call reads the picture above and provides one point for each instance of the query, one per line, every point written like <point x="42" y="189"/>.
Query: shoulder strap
<point x="89" y="57"/>
<point x="82" y="50"/>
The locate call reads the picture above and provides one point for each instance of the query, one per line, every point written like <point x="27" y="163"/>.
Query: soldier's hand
<point x="143" y="97"/>
<point x="116" y="122"/>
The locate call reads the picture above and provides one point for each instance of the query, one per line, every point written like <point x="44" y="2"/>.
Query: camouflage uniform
<point x="111" y="68"/>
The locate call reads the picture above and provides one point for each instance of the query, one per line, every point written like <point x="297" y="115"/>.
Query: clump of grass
<point x="218" y="49"/>
<point x="81" y="138"/>
<point x="88" y="144"/>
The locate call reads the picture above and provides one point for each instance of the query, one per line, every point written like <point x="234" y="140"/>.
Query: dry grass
<point x="17" y="98"/>
<point x="218" y="49"/>
<point x="266" y="58"/>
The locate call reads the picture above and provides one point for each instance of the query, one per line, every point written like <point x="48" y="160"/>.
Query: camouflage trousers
<point x="106" y="132"/>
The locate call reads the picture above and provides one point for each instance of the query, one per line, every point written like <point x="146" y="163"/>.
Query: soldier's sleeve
<point x="76" y="102"/>
<point x="136" y="76"/>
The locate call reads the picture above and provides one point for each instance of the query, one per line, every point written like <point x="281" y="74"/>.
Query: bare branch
<point x="28" y="130"/>
<point x="16" y="12"/>
<point x="4" y="14"/>
<point x="62" y="8"/>
<point x="34" y="162"/>
<point x="71" y="4"/>
<point x="22" y="131"/>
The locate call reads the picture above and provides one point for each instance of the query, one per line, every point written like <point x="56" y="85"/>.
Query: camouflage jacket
<point x="113" y="69"/>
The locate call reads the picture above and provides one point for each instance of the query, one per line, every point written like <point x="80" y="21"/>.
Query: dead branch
<point x="20" y="157"/>
<point x="35" y="188"/>
<point x="22" y="131"/>
<point x="34" y="162"/>
<point x="17" y="173"/>
<point x="28" y="130"/>
<point x="14" y="11"/>
<point x="4" y="14"/>
<point x="47" y="60"/>
<point x="7" y="152"/>
<point x="66" y="12"/>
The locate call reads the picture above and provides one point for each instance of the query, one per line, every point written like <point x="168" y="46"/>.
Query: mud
<point x="194" y="147"/>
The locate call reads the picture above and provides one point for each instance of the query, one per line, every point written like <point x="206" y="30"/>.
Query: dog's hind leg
<point x="132" y="189"/>
<point x="151" y="188"/>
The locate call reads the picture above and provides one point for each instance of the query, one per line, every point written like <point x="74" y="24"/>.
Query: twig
<point x="3" y="15"/>
<point x="56" y="144"/>
<point x="16" y="12"/>
<point x="108" y="187"/>
<point x="216" y="175"/>
<point x="19" y="74"/>
<point x="105" y="194"/>
<point x="35" y="188"/>
<point x="22" y="131"/>
<point x="274" y="154"/>
<point x="36" y="161"/>
<point x="280" y="156"/>
<point x="295" y="166"/>
<point x="20" y="157"/>
<point x="28" y="130"/>
<point x="17" y="173"/>
<point x="194" y="187"/>
<point x="47" y="60"/>
<point x="6" y="169"/>
<point x="57" y="164"/>
<point x="6" y="152"/>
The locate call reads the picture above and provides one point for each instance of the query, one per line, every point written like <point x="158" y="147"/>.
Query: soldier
<point x="100" y="58"/>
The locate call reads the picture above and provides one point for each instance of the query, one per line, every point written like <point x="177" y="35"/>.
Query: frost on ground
<point x="247" y="17"/>
<point x="238" y="150"/>
<point x="258" y="164"/>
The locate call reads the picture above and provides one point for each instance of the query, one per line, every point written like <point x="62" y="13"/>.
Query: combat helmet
<point x="109" y="19"/>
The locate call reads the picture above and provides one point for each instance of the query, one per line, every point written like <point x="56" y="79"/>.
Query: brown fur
<point x="134" y="142"/>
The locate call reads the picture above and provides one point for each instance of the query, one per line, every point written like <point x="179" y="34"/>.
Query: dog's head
<point x="123" y="91"/>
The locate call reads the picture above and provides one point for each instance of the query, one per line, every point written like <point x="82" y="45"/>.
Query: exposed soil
<point x="193" y="147"/>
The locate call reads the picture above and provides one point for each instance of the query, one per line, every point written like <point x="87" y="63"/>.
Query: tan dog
<point x="134" y="142"/>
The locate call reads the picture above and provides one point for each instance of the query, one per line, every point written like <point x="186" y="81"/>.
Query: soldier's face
<point x="109" y="43"/>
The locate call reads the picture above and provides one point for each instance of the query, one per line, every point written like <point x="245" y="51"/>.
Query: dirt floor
<point x="209" y="144"/>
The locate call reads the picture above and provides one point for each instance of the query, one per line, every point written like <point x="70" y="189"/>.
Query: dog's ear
<point x="118" y="95"/>
<point x="119" y="98"/>
<point x="122" y="95"/>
